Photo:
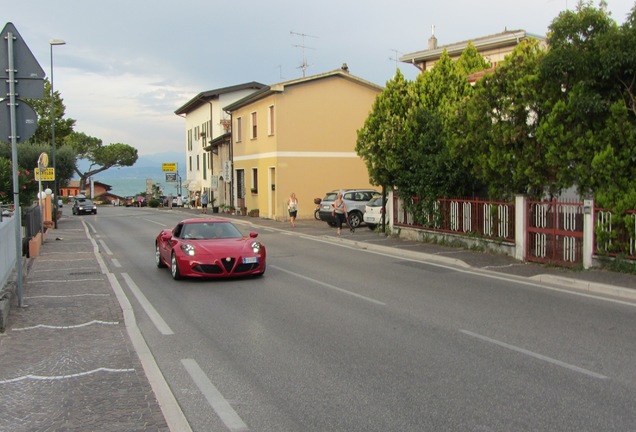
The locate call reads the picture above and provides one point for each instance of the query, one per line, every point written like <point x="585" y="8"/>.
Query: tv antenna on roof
<point x="395" y="57"/>
<point x="304" y="64"/>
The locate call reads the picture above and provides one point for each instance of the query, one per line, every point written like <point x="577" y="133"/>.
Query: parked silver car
<point x="355" y="201"/>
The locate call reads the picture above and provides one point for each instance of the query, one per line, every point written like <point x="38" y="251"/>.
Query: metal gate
<point x="554" y="232"/>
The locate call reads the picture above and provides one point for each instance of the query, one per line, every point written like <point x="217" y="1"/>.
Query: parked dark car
<point x="140" y="201"/>
<point x="355" y="201"/>
<point x="84" y="206"/>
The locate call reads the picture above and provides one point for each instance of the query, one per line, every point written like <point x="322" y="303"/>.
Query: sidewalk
<point x="70" y="360"/>
<point x="67" y="360"/>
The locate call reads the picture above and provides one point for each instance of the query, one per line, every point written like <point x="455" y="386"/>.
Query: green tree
<point x="28" y="155"/>
<point x="590" y="82"/>
<point x="383" y="132"/>
<point x="63" y="126"/>
<point x="495" y="128"/>
<point x="101" y="157"/>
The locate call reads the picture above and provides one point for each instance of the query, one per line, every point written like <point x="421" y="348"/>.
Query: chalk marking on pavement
<point x="535" y="355"/>
<point x="86" y="324"/>
<point x="63" y="377"/>
<point x="106" y="249"/>
<point x="67" y="296"/>
<point x="333" y="287"/>
<point x="64" y="280"/>
<point x="152" y="313"/>
<point x="219" y="404"/>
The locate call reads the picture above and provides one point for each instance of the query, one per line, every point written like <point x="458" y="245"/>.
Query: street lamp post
<point x="53" y="42"/>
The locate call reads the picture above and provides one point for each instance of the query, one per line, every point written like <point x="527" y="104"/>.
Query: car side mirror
<point x="253" y="234"/>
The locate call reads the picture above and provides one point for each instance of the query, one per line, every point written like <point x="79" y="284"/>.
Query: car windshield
<point x="210" y="230"/>
<point x="331" y="196"/>
<point x="86" y="202"/>
<point x="375" y="202"/>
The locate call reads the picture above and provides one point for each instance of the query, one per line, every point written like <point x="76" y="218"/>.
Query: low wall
<point x="421" y="235"/>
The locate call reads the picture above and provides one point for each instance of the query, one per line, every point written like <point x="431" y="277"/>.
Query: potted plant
<point x="253" y="213"/>
<point x="243" y="211"/>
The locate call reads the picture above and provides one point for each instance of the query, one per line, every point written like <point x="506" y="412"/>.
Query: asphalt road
<point x="335" y="338"/>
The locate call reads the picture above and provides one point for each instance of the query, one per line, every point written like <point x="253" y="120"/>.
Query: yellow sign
<point x="169" y="167"/>
<point x="47" y="175"/>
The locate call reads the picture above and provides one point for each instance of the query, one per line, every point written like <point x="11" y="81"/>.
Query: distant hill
<point x="147" y="166"/>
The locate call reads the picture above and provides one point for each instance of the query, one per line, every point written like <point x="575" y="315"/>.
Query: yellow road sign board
<point x="47" y="175"/>
<point x="169" y="167"/>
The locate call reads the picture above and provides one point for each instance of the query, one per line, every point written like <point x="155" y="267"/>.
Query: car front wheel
<point x="174" y="268"/>
<point x="158" y="261"/>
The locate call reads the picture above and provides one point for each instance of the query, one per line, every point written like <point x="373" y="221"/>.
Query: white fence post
<point x="520" y="227"/>
<point x="588" y="233"/>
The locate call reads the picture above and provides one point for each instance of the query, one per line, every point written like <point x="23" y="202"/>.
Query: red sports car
<point x="209" y="248"/>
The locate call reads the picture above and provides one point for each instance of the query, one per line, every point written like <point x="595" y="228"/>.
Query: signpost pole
<point x="17" y="212"/>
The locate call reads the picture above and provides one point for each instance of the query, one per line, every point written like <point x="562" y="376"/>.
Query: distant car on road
<point x="84" y="206"/>
<point x="128" y="202"/>
<point x="355" y="200"/>
<point x="209" y="248"/>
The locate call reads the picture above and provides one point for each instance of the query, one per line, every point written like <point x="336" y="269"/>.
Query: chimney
<point x="432" y="41"/>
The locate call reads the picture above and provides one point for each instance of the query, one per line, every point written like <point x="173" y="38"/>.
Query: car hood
<point x="221" y="247"/>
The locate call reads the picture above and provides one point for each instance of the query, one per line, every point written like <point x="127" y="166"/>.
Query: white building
<point x="205" y="121"/>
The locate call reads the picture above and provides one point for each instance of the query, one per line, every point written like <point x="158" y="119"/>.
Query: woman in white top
<point x="292" y="208"/>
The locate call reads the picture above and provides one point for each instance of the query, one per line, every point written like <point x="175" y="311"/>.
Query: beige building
<point x="206" y="121"/>
<point x="493" y="48"/>
<point x="299" y="136"/>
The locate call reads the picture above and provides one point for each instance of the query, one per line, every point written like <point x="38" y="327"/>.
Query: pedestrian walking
<point x="292" y="208"/>
<point x="179" y="201"/>
<point x="339" y="212"/>
<point x="204" y="202"/>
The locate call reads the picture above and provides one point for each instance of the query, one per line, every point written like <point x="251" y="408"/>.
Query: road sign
<point x="169" y="167"/>
<point x="46" y="175"/>
<point x="171" y="177"/>
<point x="26" y="121"/>
<point x="29" y="75"/>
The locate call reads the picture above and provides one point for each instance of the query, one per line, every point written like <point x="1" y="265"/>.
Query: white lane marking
<point x="171" y="410"/>
<point x="219" y="404"/>
<point x="333" y="287"/>
<point x="150" y="310"/>
<point x="535" y="355"/>
<point x="154" y="222"/>
<point x="106" y="249"/>
<point x="62" y="377"/>
<point x="115" y="262"/>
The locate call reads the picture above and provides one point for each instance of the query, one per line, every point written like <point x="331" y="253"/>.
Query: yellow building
<point x="299" y="136"/>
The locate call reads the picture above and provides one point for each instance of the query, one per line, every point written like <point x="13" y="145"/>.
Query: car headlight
<point x="256" y="247"/>
<point x="187" y="249"/>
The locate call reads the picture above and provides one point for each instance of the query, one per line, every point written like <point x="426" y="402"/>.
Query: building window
<point x="253" y="126"/>
<point x="254" y="188"/>
<point x="240" y="183"/>
<point x="270" y="120"/>
<point x="239" y="129"/>
<point x="205" y="166"/>
<point x="198" y="163"/>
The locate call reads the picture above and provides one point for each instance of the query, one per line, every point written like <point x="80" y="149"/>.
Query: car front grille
<point x="228" y="266"/>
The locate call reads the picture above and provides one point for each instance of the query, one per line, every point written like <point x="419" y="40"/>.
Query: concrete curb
<point x="590" y="287"/>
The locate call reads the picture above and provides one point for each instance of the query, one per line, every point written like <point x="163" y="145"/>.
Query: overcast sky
<point x="128" y="65"/>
